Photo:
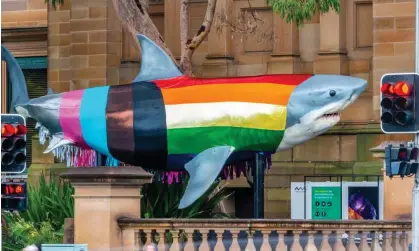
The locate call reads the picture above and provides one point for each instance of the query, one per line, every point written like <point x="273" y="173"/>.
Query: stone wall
<point x="84" y="45"/>
<point x="394" y="40"/>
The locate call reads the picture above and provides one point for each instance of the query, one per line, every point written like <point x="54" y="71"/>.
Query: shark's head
<point x="315" y="105"/>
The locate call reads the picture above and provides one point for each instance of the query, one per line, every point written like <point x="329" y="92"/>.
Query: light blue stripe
<point x="93" y="118"/>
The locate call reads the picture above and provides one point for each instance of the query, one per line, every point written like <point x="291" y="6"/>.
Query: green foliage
<point x="302" y="10"/>
<point x="19" y="233"/>
<point x="49" y="203"/>
<point x="54" y="3"/>
<point x="293" y="10"/>
<point x="162" y="201"/>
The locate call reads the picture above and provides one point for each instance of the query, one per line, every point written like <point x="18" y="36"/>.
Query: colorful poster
<point x="363" y="203"/>
<point x="326" y="203"/>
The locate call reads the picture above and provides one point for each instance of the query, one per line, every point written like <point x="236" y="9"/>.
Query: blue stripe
<point x="93" y="118"/>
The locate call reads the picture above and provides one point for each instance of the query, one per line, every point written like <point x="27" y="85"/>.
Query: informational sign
<point x="362" y="201"/>
<point x="323" y="201"/>
<point x="326" y="203"/>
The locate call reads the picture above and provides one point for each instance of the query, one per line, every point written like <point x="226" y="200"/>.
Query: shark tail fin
<point x="155" y="63"/>
<point x="203" y="170"/>
<point x="17" y="79"/>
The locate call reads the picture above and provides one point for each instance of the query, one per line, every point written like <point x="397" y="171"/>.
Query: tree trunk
<point x="134" y="16"/>
<point x="184" y="32"/>
<point x="189" y="47"/>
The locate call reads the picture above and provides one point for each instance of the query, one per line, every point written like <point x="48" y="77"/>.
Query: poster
<point x="362" y="201"/>
<point x="326" y="203"/>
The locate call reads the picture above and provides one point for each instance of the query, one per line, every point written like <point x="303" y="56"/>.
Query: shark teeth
<point x="336" y="114"/>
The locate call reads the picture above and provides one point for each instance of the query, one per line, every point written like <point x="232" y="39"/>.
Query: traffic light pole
<point x="415" y="191"/>
<point x="415" y="203"/>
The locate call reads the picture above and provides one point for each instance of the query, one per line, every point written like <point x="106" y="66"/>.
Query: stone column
<point x="332" y="57"/>
<point x="220" y="59"/>
<point x="285" y="57"/>
<point x="172" y="26"/>
<point x="59" y="67"/>
<point x="101" y="196"/>
<point x="96" y="36"/>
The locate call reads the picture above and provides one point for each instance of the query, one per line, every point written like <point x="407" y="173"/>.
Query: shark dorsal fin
<point x="155" y="63"/>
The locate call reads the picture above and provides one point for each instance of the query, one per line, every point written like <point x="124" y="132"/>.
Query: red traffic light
<point x="403" y="88"/>
<point x="387" y="88"/>
<point x="7" y="130"/>
<point x="20" y="130"/>
<point x="402" y="154"/>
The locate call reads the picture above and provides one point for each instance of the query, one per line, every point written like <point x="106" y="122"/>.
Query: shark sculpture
<point x="167" y="121"/>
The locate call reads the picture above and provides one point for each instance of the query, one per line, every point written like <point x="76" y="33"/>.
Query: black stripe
<point x="119" y="121"/>
<point x="150" y="131"/>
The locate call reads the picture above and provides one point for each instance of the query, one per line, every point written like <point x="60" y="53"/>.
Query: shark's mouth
<point x="330" y="117"/>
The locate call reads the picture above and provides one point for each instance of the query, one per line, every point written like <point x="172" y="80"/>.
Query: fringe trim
<point x="227" y="173"/>
<point x="76" y="156"/>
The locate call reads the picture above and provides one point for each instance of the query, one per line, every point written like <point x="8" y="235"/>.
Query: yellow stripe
<point x="274" y="119"/>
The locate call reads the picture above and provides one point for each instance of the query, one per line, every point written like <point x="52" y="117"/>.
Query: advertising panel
<point x="362" y="201"/>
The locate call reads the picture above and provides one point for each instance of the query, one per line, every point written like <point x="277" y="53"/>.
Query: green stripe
<point x="197" y="139"/>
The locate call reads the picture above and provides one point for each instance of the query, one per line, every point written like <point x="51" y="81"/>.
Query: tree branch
<point x="134" y="16"/>
<point x="185" y="63"/>
<point x="184" y="26"/>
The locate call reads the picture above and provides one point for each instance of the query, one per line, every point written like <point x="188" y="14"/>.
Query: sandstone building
<point x="84" y="41"/>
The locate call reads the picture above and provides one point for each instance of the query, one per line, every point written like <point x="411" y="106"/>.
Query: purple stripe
<point x="70" y="117"/>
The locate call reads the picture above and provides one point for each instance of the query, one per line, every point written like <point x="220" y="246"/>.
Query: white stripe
<point x="181" y="114"/>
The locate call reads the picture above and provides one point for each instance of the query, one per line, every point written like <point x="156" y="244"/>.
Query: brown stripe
<point x="119" y="123"/>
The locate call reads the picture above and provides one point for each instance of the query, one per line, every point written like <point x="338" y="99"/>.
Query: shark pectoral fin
<point x="203" y="170"/>
<point x="155" y="63"/>
<point x="57" y="140"/>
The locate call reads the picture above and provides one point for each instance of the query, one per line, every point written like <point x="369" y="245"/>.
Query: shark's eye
<point x="332" y="93"/>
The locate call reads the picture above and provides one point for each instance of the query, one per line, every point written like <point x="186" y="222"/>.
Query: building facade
<point x="82" y="44"/>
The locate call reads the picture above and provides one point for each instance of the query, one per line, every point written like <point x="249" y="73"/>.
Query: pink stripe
<point x="70" y="117"/>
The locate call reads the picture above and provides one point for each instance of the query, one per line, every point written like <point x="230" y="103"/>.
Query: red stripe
<point x="183" y="81"/>
<point x="70" y="117"/>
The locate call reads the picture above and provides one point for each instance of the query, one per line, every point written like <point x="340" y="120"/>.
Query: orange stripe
<point x="253" y="93"/>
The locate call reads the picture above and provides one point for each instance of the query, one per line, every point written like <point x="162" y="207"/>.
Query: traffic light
<point x="401" y="160"/>
<point x="14" y="194"/>
<point x="399" y="96"/>
<point x="13" y="143"/>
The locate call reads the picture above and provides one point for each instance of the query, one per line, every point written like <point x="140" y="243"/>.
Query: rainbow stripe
<point x="143" y="123"/>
